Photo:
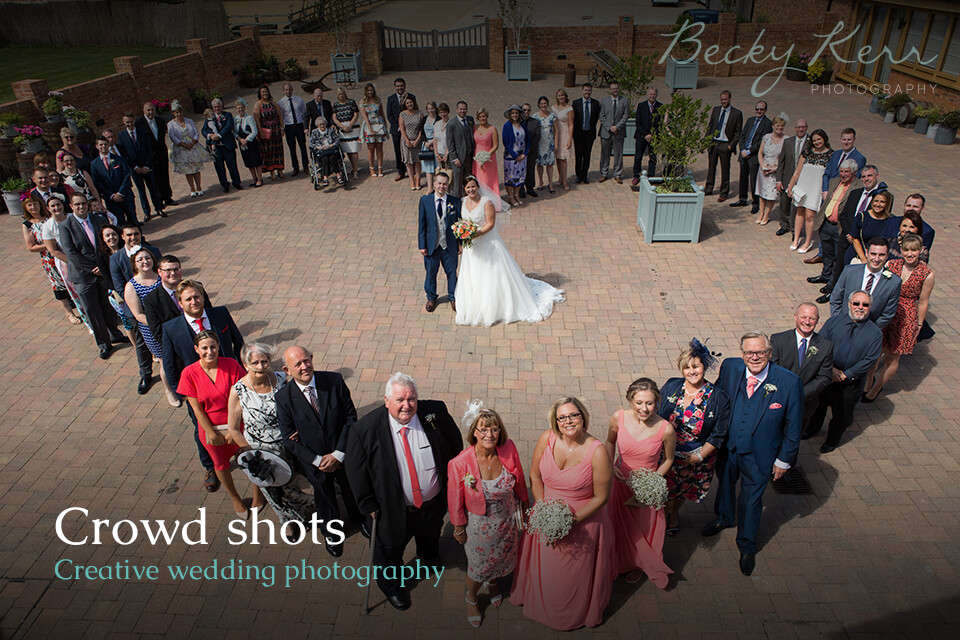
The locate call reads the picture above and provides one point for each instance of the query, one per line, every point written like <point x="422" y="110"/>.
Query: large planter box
<point x="517" y="65"/>
<point x="348" y="67"/>
<point x="630" y="142"/>
<point x="665" y="217"/>
<point x="682" y="75"/>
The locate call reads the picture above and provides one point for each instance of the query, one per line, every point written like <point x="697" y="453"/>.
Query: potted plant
<point x="291" y="70"/>
<point x="78" y="120"/>
<point x="269" y="67"/>
<point x="797" y="67"/>
<point x="821" y="71"/>
<point x="52" y="107"/>
<point x="249" y="76"/>
<point x="9" y="122"/>
<point x="876" y="99"/>
<point x="518" y="16"/>
<point x="634" y="74"/>
<point x="682" y="68"/>
<point x="947" y="131"/>
<point x="14" y="190"/>
<point x="29" y="138"/>
<point x="161" y="105"/>
<point x="891" y="103"/>
<point x="934" y="120"/>
<point x="199" y="99"/>
<point x="347" y="64"/>
<point x="671" y="207"/>
<point x="923" y="113"/>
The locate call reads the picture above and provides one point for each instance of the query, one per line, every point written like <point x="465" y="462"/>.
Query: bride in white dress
<point x="491" y="287"/>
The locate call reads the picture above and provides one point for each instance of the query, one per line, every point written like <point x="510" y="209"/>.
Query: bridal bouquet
<point x="482" y="157"/>
<point x="649" y="488"/>
<point x="465" y="230"/>
<point x="550" y="520"/>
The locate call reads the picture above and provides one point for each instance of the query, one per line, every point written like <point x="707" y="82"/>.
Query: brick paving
<point x="872" y="553"/>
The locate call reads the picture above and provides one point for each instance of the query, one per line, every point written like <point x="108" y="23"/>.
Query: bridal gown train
<point x="491" y="287"/>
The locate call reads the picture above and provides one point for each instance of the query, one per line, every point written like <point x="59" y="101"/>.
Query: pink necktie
<point x="173" y="296"/>
<point x="89" y="229"/>
<point x="752" y="383"/>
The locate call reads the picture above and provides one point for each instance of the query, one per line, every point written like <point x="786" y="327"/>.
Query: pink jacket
<point x="461" y="498"/>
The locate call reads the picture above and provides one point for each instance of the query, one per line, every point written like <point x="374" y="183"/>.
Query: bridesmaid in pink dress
<point x="486" y="138"/>
<point x="636" y="440"/>
<point x="568" y="585"/>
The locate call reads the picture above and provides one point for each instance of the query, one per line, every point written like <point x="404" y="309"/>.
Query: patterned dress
<point x="515" y="171"/>
<point x="186" y="161"/>
<point x="77" y="183"/>
<point x="271" y="149"/>
<point x="807" y="192"/>
<point x="767" y="184"/>
<point x="261" y="428"/>
<point x="900" y="336"/>
<point x="686" y="478"/>
<point x="344" y="112"/>
<point x="413" y="125"/>
<point x="492" y="538"/>
<point x="46" y="260"/>
<point x="142" y="291"/>
<point x="378" y="132"/>
<point x="546" y="155"/>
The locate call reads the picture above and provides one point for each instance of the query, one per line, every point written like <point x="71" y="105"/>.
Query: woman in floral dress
<point x="374" y="129"/>
<point x="34" y="215"/>
<point x="485" y="487"/>
<point x="699" y="413"/>
<point x="546" y="154"/>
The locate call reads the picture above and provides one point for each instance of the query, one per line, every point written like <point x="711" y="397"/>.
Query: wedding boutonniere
<point x="449" y="208"/>
<point x="430" y="418"/>
<point x="769" y="388"/>
<point x="469" y="481"/>
<point x="812" y="351"/>
<point x="886" y="273"/>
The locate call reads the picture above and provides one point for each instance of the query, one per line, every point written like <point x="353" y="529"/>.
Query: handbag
<point x="425" y="153"/>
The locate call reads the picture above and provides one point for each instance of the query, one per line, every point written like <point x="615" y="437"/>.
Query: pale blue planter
<point x="666" y="217"/>
<point x="517" y="65"/>
<point x="682" y="75"/>
<point x="347" y="66"/>
<point x="630" y="143"/>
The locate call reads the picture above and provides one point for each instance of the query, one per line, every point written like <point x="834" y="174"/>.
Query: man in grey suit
<point x="613" y="130"/>
<point x="533" y="131"/>
<point x="460" y="146"/>
<point x="750" y="137"/>
<point x="806" y="353"/>
<point x="882" y="285"/>
<point x="786" y="165"/>
<point x="857" y="343"/>
<point x="726" y="122"/>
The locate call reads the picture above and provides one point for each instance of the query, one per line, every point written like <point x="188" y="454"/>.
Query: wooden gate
<point x="408" y="50"/>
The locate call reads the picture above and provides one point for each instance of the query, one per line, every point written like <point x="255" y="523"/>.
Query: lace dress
<point x="767" y="183"/>
<point x="492" y="538"/>
<point x="546" y="154"/>
<point x="491" y="288"/>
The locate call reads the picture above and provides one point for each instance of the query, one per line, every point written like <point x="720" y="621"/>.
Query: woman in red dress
<point x="206" y="384"/>
<point x="900" y="336"/>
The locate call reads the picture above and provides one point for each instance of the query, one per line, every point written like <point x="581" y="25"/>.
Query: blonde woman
<point x="374" y="129"/>
<point x="564" y="112"/>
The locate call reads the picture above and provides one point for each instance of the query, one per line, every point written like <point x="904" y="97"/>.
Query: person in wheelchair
<point x="325" y="147"/>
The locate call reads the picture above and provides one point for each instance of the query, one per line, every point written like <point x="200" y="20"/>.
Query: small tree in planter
<point x="671" y="207"/>
<point x="947" y="132"/>
<point x="682" y="68"/>
<point x="52" y="107"/>
<point x="518" y="16"/>
<point x="14" y="191"/>
<point x="634" y="74"/>
<point x="346" y="63"/>
<point x="9" y="121"/>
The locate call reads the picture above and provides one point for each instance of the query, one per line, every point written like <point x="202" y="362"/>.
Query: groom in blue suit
<point x="435" y="239"/>
<point x="766" y="420"/>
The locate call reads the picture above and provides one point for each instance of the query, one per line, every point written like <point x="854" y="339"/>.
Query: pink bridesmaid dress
<point x="639" y="531"/>
<point x="568" y="585"/>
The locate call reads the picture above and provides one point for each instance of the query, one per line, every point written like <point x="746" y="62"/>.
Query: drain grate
<point x="793" y="482"/>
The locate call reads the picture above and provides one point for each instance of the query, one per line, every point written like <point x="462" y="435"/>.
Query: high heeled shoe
<point x="805" y="249"/>
<point x="496" y="599"/>
<point x="474" y="621"/>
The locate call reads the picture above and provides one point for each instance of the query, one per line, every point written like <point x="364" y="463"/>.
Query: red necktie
<point x="106" y="162"/>
<point x="133" y="134"/>
<point x="199" y="322"/>
<point x="752" y="383"/>
<point x="869" y="286"/>
<point x="411" y="469"/>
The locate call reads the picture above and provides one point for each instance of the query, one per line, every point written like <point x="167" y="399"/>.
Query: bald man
<point x="805" y="352"/>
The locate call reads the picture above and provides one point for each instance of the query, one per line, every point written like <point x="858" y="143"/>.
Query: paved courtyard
<point x="871" y="553"/>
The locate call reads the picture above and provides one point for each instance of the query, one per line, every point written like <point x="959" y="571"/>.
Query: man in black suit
<point x="157" y="128"/>
<point x="178" y="351"/>
<point x="786" y="165"/>
<point x="586" y="115"/>
<point x="394" y="107"/>
<point x="857" y="343"/>
<point x="87" y="270"/>
<point x="648" y="121"/>
<point x="161" y="304"/>
<point x="315" y="414"/>
<point x="460" y="146"/>
<point x="806" y="353"/>
<point x="726" y="122"/>
<point x="120" y="273"/>
<point x="137" y="149"/>
<point x="397" y="458"/>
<point x="318" y="107"/>
<point x="532" y="126"/>
<point x="750" y="138"/>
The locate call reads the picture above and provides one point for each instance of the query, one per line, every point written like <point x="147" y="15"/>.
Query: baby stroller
<point x="324" y="164"/>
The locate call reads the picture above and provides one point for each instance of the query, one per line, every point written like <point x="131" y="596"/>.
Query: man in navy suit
<point x="179" y="352"/>
<point x="157" y="129"/>
<point x="220" y="133"/>
<point x="648" y="121"/>
<point x="137" y="150"/>
<point x="438" y="246"/>
<point x="586" y="115"/>
<point x="848" y="138"/>
<point x="882" y="285"/>
<point x="79" y="236"/>
<point x="766" y="418"/>
<point x="41" y="178"/>
<point x="315" y="413"/>
<point x="112" y="176"/>
<point x="857" y="343"/>
<point x="750" y="138"/>
<point x="394" y="107"/>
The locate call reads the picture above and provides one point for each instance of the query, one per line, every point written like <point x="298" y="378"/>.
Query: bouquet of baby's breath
<point x="550" y="520"/>
<point x="482" y="157"/>
<point x="649" y="488"/>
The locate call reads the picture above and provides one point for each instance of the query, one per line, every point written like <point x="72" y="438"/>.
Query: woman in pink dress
<point x="568" y="585"/>
<point x="638" y="440"/>
<point x="486" y="139"/>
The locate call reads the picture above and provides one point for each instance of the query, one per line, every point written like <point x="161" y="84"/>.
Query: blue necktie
<point x="756" y="124"/>
<point x="802" y="351"/>
<point x="720" y="125"/>
<point x="441" y="232"/>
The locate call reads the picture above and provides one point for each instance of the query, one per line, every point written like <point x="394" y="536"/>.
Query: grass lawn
<point x="65" y="66"/>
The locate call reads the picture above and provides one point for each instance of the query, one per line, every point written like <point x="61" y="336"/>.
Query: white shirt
<point x="722" y="123"/>
<point x="339" y="455"/>
<point x="798" y="147"/>
<point x="152" y="123"/>
<point x="130" y="252"/>
<point x="297" y="115"/>
<point x="192" y="322"/>
<point x="800" y="337"/>
<point x="760" y="379"/>
<point x="423" y="460"/>
<point x="876" y="280"/>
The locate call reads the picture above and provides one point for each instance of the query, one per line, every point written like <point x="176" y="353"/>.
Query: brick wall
<point x="319" y="47"/>
<point x="922" y="91"/>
